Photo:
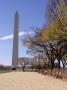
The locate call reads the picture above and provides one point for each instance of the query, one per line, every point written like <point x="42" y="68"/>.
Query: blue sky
<point x="31" y="13"/>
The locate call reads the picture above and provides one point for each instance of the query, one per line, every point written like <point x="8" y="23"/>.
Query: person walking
<point x="23" y="66"/>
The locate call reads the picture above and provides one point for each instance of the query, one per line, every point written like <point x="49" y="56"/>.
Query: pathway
<point x="30" y="81"/>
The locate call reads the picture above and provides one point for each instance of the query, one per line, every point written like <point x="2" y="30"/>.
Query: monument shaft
<point x="15" y="41"/>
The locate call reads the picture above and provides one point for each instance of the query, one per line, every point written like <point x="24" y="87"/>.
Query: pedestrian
<point x="23" y="67"/>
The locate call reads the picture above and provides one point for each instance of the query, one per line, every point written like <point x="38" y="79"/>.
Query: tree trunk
<point x="63" y="66"/>
<point x="59" y="64"/>
<point x="51" y="70"/>
<point x="52" y="66"/>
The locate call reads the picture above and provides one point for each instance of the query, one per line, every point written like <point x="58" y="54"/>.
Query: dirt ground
<point x="30" y="81"/>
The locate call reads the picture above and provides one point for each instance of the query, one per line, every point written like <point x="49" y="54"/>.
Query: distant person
<point x="23" y="66"/>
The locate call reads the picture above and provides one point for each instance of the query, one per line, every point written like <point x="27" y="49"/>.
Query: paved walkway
<point x="30" y="81"/>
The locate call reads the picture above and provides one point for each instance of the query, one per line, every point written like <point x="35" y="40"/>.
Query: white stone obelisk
<point x="15" y="41"/>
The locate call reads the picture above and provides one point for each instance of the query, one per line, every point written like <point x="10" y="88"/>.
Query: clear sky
<point x="31" y="13"/>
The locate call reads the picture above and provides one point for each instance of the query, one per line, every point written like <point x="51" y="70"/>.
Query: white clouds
<point x="11" y="36"/>
<point x="6" y="37"/>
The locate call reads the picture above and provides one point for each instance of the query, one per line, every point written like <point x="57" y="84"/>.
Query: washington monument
<point x="16" y="62"/>
<point x="15" y="41"/>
